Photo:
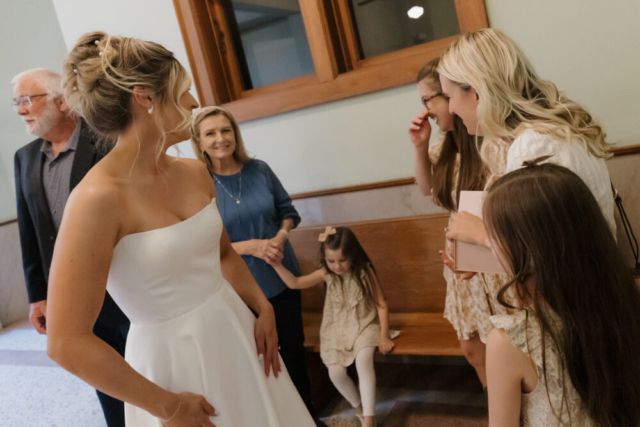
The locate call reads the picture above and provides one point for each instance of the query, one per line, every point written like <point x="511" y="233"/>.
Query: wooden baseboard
<point x="625" y="151"/>
<point x="11" y="221"/>
<point x="355" y="188"/>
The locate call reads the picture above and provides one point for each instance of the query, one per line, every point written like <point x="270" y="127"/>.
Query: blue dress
<point x="264" y="204"/>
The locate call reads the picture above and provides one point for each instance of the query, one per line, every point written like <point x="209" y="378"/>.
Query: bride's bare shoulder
<point x="196" y="172"/>
<point x="99" y="193"/>
<point x="194" y="166"/>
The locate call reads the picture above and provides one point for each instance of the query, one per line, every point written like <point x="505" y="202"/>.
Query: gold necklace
<point x="227" y="191"/>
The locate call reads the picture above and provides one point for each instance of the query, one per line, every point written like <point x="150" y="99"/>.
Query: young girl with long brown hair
<point x="569" y="355"/>
<point x="355" y="318"/>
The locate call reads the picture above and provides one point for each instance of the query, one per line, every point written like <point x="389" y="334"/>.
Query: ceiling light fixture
<point x="415" y="12"/>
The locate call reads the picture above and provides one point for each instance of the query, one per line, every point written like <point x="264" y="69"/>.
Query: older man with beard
<point x="46" y="171"/>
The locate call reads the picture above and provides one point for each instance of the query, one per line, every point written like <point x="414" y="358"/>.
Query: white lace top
<point x="574" y="156"/>
<point x="541" y="407"/>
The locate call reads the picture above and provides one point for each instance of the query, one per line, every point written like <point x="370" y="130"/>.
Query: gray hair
<point x="50" y="81"/>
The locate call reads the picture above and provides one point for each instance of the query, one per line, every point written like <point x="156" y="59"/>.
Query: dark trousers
<point x="116" y="337"/>
<point x="287" y="306"/>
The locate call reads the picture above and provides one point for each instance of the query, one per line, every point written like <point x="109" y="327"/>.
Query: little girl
<point x="355" y="318"/>
<point x="569" y="356"/>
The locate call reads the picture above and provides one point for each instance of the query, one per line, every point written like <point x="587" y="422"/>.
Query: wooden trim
<point x="11" y="221"/>
<point x="375" y="221"/>
<point x="264" y="102"/>
<point x="199" y="40"/>
<point x="625" y="151"/>
<point x="218" y="12"/>
<point x="404" y="54"/>
<point x="354" y="188"/>
<point x="349" y="36"/>
<point x="322" y="52"/>
<point x="215" y="70"/>
<point x="472" y="15"/>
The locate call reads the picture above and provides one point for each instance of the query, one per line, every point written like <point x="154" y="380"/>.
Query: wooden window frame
<point x="339" y="71"/>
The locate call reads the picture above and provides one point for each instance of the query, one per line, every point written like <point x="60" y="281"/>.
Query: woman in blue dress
<point x="258" y="214"/>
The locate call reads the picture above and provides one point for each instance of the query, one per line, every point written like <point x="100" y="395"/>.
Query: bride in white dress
<point x="145" y="226"/>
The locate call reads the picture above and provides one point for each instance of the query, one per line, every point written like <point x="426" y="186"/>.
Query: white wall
<point x="588" y="47"/>
<point x="30" y="37"/>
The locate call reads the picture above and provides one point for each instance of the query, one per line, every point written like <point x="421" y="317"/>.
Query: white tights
<point x="367" y="382"/>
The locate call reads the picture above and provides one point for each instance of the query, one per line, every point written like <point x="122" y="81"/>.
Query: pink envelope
<point x="474" y="258"/>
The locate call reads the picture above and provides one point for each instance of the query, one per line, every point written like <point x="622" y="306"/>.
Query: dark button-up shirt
<point x="56" y="173"/>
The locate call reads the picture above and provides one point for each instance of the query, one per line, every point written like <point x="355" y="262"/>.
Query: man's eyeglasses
<point x="25" y="101"/>
<point x="425" y="102"/>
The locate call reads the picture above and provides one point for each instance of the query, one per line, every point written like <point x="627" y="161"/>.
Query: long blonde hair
<point x="512" y="97"/>
<point x="240" y="154"/>
<point x="99" y="76"/>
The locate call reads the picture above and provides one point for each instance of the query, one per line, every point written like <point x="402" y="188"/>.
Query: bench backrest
<point x="404" y="252"/>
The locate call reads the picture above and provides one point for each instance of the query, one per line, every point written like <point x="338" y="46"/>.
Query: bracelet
<point x="176" y="413"/>
<point x="286" y="233"/>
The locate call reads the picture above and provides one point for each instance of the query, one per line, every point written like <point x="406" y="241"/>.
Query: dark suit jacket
<point x="37" y="231"/>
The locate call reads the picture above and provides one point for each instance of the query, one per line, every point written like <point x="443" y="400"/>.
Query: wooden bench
<point x="405" y="254"/>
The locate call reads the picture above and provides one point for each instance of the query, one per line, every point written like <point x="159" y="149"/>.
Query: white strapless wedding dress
<point x="190" y="331"/>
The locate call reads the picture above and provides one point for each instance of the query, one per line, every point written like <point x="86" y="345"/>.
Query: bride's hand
<point x="267" y="340"/>
<point x="192" y="410"/>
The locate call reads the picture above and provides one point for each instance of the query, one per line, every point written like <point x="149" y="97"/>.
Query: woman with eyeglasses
<point x="443" y="168"/>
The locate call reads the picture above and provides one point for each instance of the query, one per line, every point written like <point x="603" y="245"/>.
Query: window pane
<point x="271" y="43"/>
<point x="384" y="26"/>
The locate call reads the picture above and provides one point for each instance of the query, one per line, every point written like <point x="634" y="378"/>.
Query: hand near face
<point x="420" y="130"/>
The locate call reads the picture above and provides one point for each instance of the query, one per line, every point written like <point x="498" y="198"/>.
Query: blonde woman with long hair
<point x="494" y="88"/>
<point x="144" y="225"/>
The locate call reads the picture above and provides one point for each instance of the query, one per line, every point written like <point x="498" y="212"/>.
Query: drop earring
<point x="150" y="110"/>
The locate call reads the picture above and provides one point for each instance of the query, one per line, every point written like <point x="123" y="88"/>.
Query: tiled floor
<point x="412" y="392"/>
<point x="34" y="391"/>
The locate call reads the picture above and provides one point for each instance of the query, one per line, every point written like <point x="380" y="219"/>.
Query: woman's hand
<point x="278" y="241"/>
<point x="386" y="345"/>
<point x="420" y="130"/>
<point x="267" y="340"/>
<point x="467" y="228"/>
<point x="268" y="250"/>
<point x="448" y="261"/>
<point x="192" y="410"/>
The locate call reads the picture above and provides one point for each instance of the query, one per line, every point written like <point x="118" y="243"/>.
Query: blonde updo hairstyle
<point x="512" y="97"/>
<point x="240" y="154"/>
<point x="99" y="76"/>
